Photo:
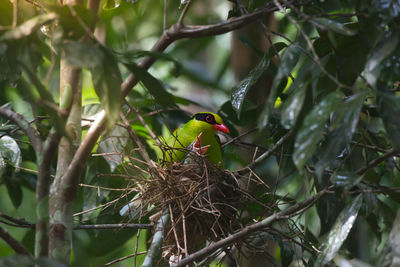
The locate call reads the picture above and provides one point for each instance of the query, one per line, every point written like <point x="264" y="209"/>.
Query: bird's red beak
<point x="222" y="128"/>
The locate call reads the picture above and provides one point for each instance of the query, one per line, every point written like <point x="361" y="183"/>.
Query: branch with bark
<point x="13" y="243"/>
<point x="285" y="214"/>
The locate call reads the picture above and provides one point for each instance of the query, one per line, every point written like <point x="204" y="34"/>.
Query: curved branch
<point x="375" y="162"/>
<point x="32" y="133"/>
<point x="287" y="213"/>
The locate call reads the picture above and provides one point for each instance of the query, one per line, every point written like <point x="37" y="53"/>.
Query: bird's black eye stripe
<point x="207" y="117"/>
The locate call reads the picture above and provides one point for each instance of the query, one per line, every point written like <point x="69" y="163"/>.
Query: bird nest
<point x="201" y="200"/>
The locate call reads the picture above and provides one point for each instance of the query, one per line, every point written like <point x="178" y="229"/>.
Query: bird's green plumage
<point x="185" y="135"/>
<point x="177" y="143"/>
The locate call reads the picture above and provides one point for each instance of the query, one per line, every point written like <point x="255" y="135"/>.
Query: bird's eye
<point x="209" y="118"/>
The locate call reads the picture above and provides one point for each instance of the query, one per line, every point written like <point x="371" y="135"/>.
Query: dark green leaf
<point x="72" y="27"/>
<point x="92" y="197"/>
<point x="287" y="253"/>
<point x="106" y="241"/>
<point x="107" y="83"/>
<point x="383" y="49"/>
<point x="153" y="85"/>
<point x="339" y="231"/>
<point x="28" y="27"/>
<point x="334" y="26"/>
<point x="311" y="132"/>
<point x="9" y="70"/>
<point x="341" y="130"/>
<point x="292" y="107"/>
<point x="13" y="188"/>
<point x="389" y="110"/>
<point x="240" y="90"/>
<point x="288" y="62"/>
<point x="345" y="179"/>
<point x="46" y="96"/>
<point x="82" y="54"/>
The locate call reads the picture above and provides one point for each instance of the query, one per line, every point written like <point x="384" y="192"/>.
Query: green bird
<point x="198" y="134"/>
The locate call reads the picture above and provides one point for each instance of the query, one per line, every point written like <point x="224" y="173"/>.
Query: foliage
<point x="325" y="139"/>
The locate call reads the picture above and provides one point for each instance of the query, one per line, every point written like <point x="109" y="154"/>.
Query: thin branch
<point x="155" y="248"/>
<point x="141" y="119"/>
<point x="13" y="243"/>
<point x="15" y="4"/>
<point x="115" y="226"/>
<point x="376" y="161"/>
<point x="375" y="148"/>
<point x="135" y="138"/>
<point x="287" y="213"/>
<point x="240" y="136"/>
<point x="24" y="125"/>
<point x="165" y="14"/>
<point x="183" y="14"/>
<point x="124" y="258"/>
<point x="190" y="31"/>
<point x="265" y="155"/>
<point x="315" y="56"/>
<point x="21" y="223"/>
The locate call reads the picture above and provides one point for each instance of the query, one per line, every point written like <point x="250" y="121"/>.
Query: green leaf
<point x="108" y="241"/>
<point x="92" y="197"/>
<point x="45" y="95"/>
<point x="11" y="154"/>
<point x="28" y="27"/>
<point x="10" y="151"/>
<point x="289" y="60"/>
<point x="111" y="4"/>
<point x="13" y="188"/>
<point x="389" y="110"/>
<point x="339" y="231"/>
<point x="240" y="90"/>
<point x="82" y="54"/>
<point x="311" y="132"/>
<point x="75" y="20"/>
<point x="335" y="26"/>
<point x="113" y="145"/>
<point x="292" y="107"/>
<point x="345" y="179"/>
<point x="386" y="46"/>
<point x="107" y="83"/>
<point x="341" y="130"/>
<point x="153" y="85"/>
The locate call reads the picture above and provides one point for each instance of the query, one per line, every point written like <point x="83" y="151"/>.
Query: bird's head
<point x="213" y="119"/>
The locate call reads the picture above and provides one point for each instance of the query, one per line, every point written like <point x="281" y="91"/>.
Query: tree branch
<point x="32" y="133"/>
<point x="154" y="252"/>
<point x="24" y="224"/>
<point x="375" y="162"/>
<point x="287" y="213"/>
<point x="13" y="243"/>
<point x="265" y="155"/>
<point x="135" y="138"/>
<point x="42" y="193"/>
